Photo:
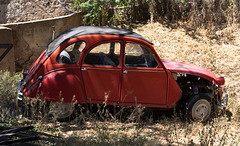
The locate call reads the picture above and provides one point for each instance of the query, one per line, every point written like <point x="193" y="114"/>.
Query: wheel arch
<point x="59" y="85"/>
<point x="193" y="85"/>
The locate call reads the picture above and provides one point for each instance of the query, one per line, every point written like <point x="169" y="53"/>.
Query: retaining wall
<point x="7" y="59"/>
<point x="31" y="38"/>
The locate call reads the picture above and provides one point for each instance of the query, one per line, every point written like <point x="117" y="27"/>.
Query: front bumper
<point x="224" y="101"/>
<point x="19" y="92"/>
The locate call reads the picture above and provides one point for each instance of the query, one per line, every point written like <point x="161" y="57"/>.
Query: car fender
<point x="191" y="69"/>
<point x="58" y="85"/>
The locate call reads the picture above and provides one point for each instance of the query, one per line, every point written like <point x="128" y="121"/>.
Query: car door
<point x="101" y="71"/>
<point x="144" y="80"/>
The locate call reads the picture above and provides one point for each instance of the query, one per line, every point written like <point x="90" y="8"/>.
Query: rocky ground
<point x="27" y="10"/>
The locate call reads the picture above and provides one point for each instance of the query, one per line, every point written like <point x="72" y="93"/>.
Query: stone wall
<point x="12" y="11"/>
<point x="3" y="10"/>
<point x="31" y="38"/>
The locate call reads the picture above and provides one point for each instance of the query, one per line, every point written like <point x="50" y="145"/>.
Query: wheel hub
<point x="201" y="110"/>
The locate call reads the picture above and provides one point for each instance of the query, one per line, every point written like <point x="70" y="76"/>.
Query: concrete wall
<point x="31" y="38"/>
<point x="6" y="41"/>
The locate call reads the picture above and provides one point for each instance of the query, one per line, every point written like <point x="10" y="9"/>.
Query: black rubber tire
<point x="68" y="118"/>
<point x="199" y="108"/>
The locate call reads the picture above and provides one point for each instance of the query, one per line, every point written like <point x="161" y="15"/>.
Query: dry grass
<point x="218" y="52"/>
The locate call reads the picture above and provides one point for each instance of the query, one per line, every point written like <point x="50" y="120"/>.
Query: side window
<point x="106" y="54"/>
<point x="139" y="56"/>
<point x="71" y="54"/>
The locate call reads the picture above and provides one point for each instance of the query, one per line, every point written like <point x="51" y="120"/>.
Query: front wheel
<point x="199" y="108"/>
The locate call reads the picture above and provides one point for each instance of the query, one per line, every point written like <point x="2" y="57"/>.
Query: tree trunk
<point x="151" y="10"/>
<point x="236" y="10"/>
<point x="133" y="11"/>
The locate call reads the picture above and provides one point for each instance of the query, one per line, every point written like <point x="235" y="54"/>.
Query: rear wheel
<point x="62" y="111"/>
<point x="199" y="108"/>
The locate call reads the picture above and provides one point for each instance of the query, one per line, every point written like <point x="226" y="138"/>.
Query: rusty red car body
<point x="115" y="66"/>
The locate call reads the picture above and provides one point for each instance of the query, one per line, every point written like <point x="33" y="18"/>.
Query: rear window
<point x="71" y="54"/>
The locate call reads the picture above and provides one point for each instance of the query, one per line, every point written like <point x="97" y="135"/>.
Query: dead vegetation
<point x="216" y="52"/>
<point x="137" y="125"/>
<point x="201" y="38"/>
<point x="219" y="52"/>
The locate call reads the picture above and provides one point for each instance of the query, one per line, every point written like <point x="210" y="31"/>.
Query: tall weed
<point x="8" y="93"/>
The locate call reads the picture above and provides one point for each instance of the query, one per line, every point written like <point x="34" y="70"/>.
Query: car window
<point x="71" y="54"/>
<point x="106" y="54"/>
<point x="139" y="56"/>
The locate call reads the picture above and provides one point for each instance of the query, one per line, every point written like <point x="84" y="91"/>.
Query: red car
<point x="91" y="64"/>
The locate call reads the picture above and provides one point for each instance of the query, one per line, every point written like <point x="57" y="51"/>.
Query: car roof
<point x="87" y="30"/>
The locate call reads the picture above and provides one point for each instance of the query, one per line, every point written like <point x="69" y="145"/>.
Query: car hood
<point x="191" y="69"/>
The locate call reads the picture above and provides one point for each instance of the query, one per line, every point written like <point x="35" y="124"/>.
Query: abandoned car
<point x="93" y="64"/>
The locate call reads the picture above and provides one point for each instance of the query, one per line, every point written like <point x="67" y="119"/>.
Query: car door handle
<point x="125" y="71"/>
<point x="84" y="69"/>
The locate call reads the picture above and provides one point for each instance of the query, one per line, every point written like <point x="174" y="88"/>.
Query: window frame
<point x="141" y="45"/>
<point x="79" y="56"/>
<point x="98" y="44"/>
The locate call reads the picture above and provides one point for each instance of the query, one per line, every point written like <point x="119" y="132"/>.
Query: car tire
<point x="62" y="112"/>
<point x="199" y="108"/>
